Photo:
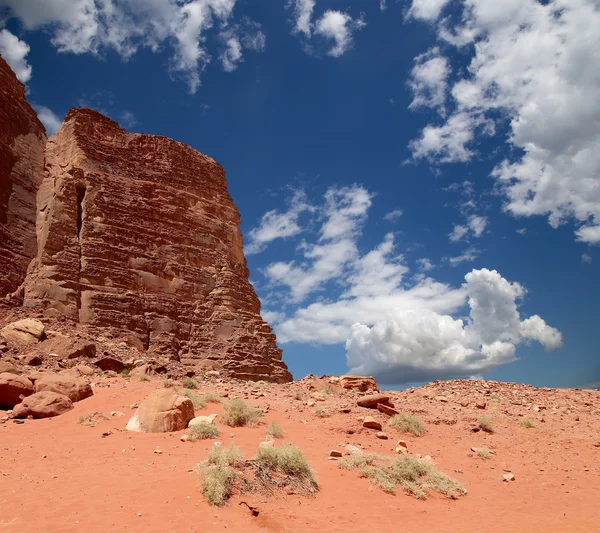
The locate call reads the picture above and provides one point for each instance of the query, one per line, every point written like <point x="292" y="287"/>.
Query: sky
<point x="418" y="180"/>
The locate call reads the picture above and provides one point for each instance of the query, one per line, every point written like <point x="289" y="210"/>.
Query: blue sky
<point x="419" y="181"/>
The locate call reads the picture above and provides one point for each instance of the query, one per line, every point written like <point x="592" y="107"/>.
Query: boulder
<point x="26" y="331"/>
<point x="162" y="411"/>
<point x="371" y="423"/>
<point x="32" y="359"/>
<point x="144" y="369"/>
<point x="110" y="363"/>
<point x="65" y="347"/>
<point x="373" y="399"/>
<point x="5" y="366"/>
<point x="13" y="389"/>
<point x="43" y="404"/>
<point x="387" y="410"/>
<point x="74" y="388"/>
<point x="361" y="383"/>
<point x="84" y="370"/>
<point x="210" y="419"/>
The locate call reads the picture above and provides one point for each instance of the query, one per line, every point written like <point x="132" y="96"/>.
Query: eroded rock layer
<point x="22" y="141"/>
<point x="137" y="235"/>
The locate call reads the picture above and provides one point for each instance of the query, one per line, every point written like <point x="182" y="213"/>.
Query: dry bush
<point x="526" y="422"/>
<point x="197" y="401"/>
<point x="321" y="412"/>
<point x="484" y="453"/>
<point x="203" y="430"/>
<point x="211" y="397"/>
<point x="486" y="424"/>
<point x="275" y="430"/>
<point x="414" y="475"/>
<point x="168" y="383"/>
<point x="225" y="472"/>
<point x="407" y="423"/>
<point x="189" y="383"/>
<point x="237" y="413"/>
<point x="144" y="377"/>
<point x="327" y="391"/>
<point x="298" y="395"/>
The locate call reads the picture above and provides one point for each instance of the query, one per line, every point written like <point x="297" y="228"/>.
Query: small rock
<point x="158" y="452"/>
<point x="184" y="438"/>
<point x="267" y="444"/>
<point x="353" y="450"/>
<point x="402" y="444"/>
<point x="116" y="413"/>
<point x="372" y="400"/>
<point x="508" y="477"/>
<point x="370" y="422"/>
<point x="32" y="360"/>
<point x="335" y="453"/>
<point x="310" y="403"/>
<point x="381" y="435"/>
<point x="481" y="404"/>
<point x="441" y="399"/>
<point x="386" y="409"/>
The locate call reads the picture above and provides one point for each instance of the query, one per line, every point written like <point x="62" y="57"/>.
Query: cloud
<point x="14" y="52"/>
<point x="333" y="26"/>
<point x="89" y="26"/>
<point x="338" y="26"/>
<point x="428" y="80"/>
<point x="586" y="259"/>
<point x="521" y="231"/>
<point x="128" y="120"/>
<point x="303" y="10"/>
<point x="276" y="225"/>
<point x="427" y="9"/>
<point x="417" y="345"/>
<point x="532" y="83"/>
<point x="458" y="233"/>
<point x="382" y="5"/>
<point x="48" y="118"/>
<point x="470" y="254"/>
<point x="393" y="215"/>
<point x="425" y="264"/>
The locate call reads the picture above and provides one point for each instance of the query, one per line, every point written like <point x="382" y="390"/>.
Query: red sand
<point x="60" y="476"/>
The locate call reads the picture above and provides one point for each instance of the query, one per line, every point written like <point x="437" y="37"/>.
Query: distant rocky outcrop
<point x="22" y="142"/>
<point x="136" y="236"/>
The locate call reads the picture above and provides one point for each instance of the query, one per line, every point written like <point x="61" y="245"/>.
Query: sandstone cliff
<point x="136" y="235"/>
<point x="22" y="141"/>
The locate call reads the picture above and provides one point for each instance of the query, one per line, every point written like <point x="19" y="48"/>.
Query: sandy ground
<point x="57" y="475"/>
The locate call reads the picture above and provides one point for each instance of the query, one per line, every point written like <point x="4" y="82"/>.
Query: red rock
<point x="481" y="404"/>
<point x="32" y="359"/>
<point x="22" y="141"/>
<point x="387" y="410"/>
<point x="361" y="383"/>
<point x="139" y="237"/>
<point x="68" y="348"/>
<point x="110" y="363"/>
<point x="13" y="389"/>
<point x="381" y="435"/>
<point x="371" y="423"/>
<point x="373" y="399"/>
<point x="43" y="404"/>
<point x="26" y="331"/>
<point x="335" y="453"/>
<point x="162" y="411"/>
<point x="76" y="389"/>
<point x="508" y="477"/>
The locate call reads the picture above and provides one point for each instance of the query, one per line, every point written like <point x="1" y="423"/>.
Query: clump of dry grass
<point x="168" y="383"/>
<point x="484" y="453"/>
<point x="197" y="401"/>
<point x="407" y="423"/>
<point x="212" y="397"/>
<point x="275" y="430"/>
<point x="414" y="475"/>
<point x="298" y="395"/>
<point x="144" y="377"/>
<point x="321" y="412"/>
<point x="237" y="413"/>
<point x="189" y="383"/>
<point x="225" y="471"/>
<point x="203" y="430"/>
<point x="486" y="424"/>
<point x="525" y="422"/>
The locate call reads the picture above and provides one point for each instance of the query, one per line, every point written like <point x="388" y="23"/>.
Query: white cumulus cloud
<point x="415" y="345"/>
<point x="48" y="118"/>
<point x="532" y="83"/>
<point x="125" y="26"/>
<point x="14" y="51"/>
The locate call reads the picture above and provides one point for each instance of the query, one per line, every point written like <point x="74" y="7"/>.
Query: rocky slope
<point x="136" y="236"/>
<point x="22" y="141"/>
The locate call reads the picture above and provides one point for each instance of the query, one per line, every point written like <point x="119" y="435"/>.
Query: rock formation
<point x="22" y="141"/>
<point x="137" y="236"/>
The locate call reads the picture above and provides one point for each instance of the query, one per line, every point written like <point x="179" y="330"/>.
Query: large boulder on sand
<point x="162" y="411"/>
<point x="13" y="389"/>
<point x="43" y="405"/>
<point x="372" y="400"/>
<point x="69" y="385"/>
<point x="361" y="383"/>
<point x="26" y="331"/>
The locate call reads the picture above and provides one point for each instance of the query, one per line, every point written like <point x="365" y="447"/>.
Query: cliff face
<point x="22" y="141"/>
<point x="135" y="235"/>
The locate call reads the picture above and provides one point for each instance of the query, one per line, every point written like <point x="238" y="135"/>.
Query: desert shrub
<point x="414" y="475"/>
<point x="486" y="424"/>
<point x="275" y="430"/>
<point x="225" y="471"/>
<point x="196" y="400"/>
<point x="321" y="412"/>
<point x="327" y="391"/>
<point x="484" y="453"/>
<point x="189" y="383"/>
<point x="203" y="430"/>
<point x="143" y="377"/>
<point x="211" y="397"/>
<point x="526" y="422"/>
<point x="298" y="395"/>
<point x="125" y="372"/>
<point x="407" y="423"/>
<point x="237" y="413"/>
<point x="168" y="383"/>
